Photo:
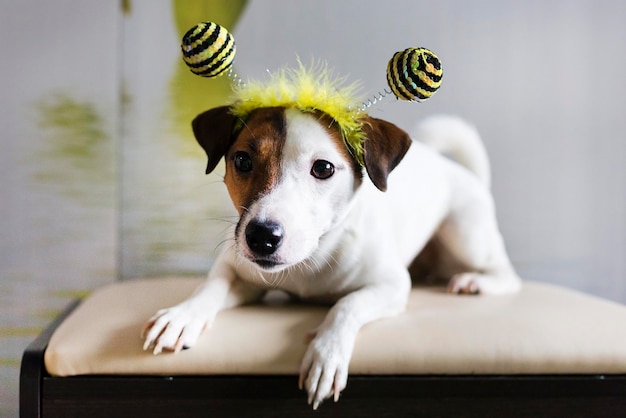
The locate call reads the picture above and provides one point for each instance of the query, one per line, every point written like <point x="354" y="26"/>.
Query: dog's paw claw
<point x="465" y="284"/>
<point x="173" y="329"/>
<point x="324" y="371"/>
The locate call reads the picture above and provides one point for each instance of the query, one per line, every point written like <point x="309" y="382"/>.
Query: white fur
<point x="351" y="244"/>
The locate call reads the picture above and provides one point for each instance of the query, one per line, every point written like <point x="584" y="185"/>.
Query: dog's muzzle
<point x="263" y="240"/>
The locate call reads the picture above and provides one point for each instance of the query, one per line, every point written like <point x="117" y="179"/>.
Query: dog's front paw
<point x="173" y="329"/>
<point x="465" y="283"/>
<point x="324" y="369"/>
<point x="485" y="284"/>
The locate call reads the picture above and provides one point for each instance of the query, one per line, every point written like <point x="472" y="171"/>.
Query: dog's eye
<point x="322" y="169"/>
<point x="243" y="161"/>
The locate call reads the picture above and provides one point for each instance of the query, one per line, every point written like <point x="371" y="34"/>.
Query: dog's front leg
<point x="179" y="326"/>
<point x="324" y="369"/>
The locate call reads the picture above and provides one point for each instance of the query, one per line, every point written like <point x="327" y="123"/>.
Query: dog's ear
<point x="384" y="148"/>
<point x="213" y="130"/>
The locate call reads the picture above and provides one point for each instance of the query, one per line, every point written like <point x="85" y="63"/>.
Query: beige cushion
<point x="542" y="329"/>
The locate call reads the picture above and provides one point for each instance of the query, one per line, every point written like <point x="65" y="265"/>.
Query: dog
<point x="317" y="225"/>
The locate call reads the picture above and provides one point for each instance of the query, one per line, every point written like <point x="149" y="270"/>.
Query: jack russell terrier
<point x="312" y="224"/>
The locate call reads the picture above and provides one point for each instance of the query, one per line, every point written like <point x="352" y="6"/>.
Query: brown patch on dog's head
<point x="253" y="159"/>
<point x="255" y="147"/>
<point x="385" y="146"/>
<point x="332" y="128"/>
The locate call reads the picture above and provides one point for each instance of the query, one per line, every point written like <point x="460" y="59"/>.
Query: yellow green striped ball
<point x="208" y="49"/>
<point x="414" y="74"/>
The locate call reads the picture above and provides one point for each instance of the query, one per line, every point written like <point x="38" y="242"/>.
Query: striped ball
<point x="414" y="74"/>
<point x="208" y="49"/>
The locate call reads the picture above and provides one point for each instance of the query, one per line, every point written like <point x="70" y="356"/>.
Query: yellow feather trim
<point x="308" y="89"/>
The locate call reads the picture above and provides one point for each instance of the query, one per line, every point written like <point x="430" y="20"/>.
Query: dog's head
<point x="291" y="176"/>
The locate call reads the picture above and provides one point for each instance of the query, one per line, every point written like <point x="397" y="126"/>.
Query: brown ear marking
<point x="213" y="130"/>
<point x="384" y="147"/>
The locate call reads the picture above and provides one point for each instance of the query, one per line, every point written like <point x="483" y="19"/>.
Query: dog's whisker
<point x="245" y="125"/>
<point x="223" y="220"/>
<point x="312" y="265"/>
<point x="330" y="260"/>
<point x="304" y="267"/>
<point x="214" y="182"/>
<point x="223" y="242"/>
<point x="227" y="222"/>
<point x="229" y="218"/>
<point x="301" y="266"/>
<point x="280" y="279"/>
<point x="328" y="257"/>
<point x="264" y="280"/>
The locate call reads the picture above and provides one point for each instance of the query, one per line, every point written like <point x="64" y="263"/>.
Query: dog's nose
<point x="264" y="238"/>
